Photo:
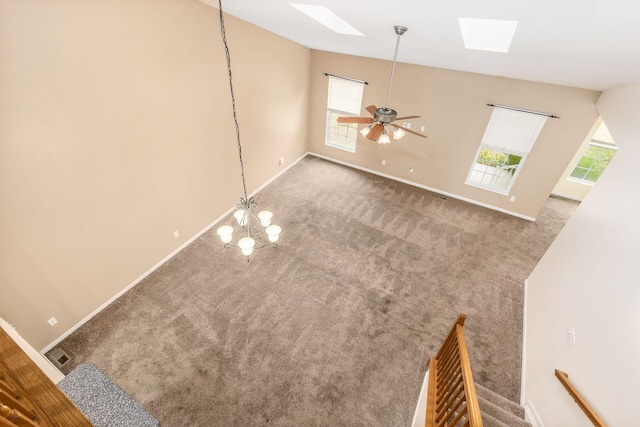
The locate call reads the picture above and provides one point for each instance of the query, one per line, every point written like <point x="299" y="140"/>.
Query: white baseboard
<point x="420" y="414"/>
<point x="160" y="263"/>
<point x="524" y="344"/>
<point x="424" y="187"/>
<point x="566" y="196"/>
<point x="531" y="415"/>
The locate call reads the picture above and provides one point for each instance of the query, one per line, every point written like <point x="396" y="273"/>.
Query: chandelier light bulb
<point x="273" y="232"/>
<point x="384" y="139"/>
<point x="241" y="216"/>
<point x="246" y="244"/>
<point x="226" y="233"/>
<point x="265" y="218"/>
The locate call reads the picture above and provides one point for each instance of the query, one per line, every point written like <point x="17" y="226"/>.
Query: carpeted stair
<point x="102" y="401"/>
<point x="498" y="411"/>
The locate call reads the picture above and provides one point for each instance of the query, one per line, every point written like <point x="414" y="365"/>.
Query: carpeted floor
<point x="336" y="325"/>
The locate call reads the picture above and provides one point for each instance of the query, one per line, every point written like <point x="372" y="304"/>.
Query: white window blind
<point x="512" y="131"/>
<point x="345" y="95"/>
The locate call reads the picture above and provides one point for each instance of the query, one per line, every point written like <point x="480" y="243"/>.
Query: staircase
<point x="452" y="399"/>
<point x="498" y="411"/>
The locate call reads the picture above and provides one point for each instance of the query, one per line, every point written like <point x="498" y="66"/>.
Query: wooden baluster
<point x="15" y="418"/>
<point x="18" y="404"/>
<point x="451" y="396"/>
<point x="4" y="386"/>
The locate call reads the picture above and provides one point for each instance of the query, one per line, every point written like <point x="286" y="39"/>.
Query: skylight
<point x="492" y="35"/>
<point x="327" y="18"/>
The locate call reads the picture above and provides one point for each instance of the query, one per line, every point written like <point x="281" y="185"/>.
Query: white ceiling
<point x="592" y="44"/>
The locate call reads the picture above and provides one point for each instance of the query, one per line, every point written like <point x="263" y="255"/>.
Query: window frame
<point x="584" y="152"/>
<point x="342" y="129"/>
<point x="491" y="140"/>
<point x="346" y="126"/>
<point x="492" y="188"/>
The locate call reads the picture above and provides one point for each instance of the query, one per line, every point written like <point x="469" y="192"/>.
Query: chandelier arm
<point x="233" y="98"/>
<point x="256" y="247"/>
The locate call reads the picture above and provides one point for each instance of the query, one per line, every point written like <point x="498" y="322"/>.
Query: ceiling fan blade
<point x="422" y="135"/>
<point x="354" y="120"/>
<point x="407" y="117"/>
<point x="375" y="132"/>
<point x="371" y="109"/>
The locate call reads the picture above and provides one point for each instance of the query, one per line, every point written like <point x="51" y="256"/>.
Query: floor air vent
<point x="59" y="357"/>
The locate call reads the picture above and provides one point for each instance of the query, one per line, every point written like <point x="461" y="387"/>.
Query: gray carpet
<point x="336" y="325"/>
<point x="101" y="401"/>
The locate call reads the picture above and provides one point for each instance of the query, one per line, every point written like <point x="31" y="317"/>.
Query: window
<point x="593" y="162"/>
<point x="345" y="99"/>
<point x="508" y="139"/>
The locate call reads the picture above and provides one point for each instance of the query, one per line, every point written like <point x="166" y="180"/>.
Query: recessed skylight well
<point x="492" y="35"/>
<point x="327" y="18"/>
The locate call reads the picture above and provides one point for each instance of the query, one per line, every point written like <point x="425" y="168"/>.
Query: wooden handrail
<point x="27" y="396"/>
<point x="451" y="395"/>
<point x="582" y="403"/>
<point x="469" y="387"/>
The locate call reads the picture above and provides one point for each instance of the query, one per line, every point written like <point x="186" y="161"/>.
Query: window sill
<point x="339" y="147"/>
<point x="488" y="188"/>
<point x="579" y="181"/>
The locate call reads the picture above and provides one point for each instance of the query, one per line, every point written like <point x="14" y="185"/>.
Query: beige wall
<point x="588" y="280"/>
<point x="452" y="106"/>
<point x="116" y="130"/>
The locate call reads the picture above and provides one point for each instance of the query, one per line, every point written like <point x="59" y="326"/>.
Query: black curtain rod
<point x="346" y="78"/>
<point x="524" y="111"/>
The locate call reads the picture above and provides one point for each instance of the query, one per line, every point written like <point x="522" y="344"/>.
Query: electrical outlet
<point x="384" y="162"/>
<point x="52" y="321"/>
<point x="408" y="125"/>
<point x="512" y="198"/>
<point x="411" y="170"/>
<point x="176" y="234"/>
<point x="281" y="161"/>
<point x="421" y="128"/>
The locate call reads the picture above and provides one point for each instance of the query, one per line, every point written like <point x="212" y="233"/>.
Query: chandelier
<point x="250" y="227"/>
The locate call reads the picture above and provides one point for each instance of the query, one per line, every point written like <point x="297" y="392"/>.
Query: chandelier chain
<point x="233" y="98"/>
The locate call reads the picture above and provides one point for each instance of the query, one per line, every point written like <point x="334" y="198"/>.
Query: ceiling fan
<point x="381" y="123"/>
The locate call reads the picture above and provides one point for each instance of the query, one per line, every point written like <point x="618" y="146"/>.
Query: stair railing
<point x="452" y="399"/>
<point x="582" y="403"/>
<point x="28" y="398"/>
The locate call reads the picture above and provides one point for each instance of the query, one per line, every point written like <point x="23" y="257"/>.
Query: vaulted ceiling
<point x="583" y="43"/>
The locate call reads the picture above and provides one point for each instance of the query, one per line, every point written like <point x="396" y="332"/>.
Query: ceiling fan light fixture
<point x="365" y="130"/>
<point x="398" y="133"/>
<point x="384" y="139"/>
